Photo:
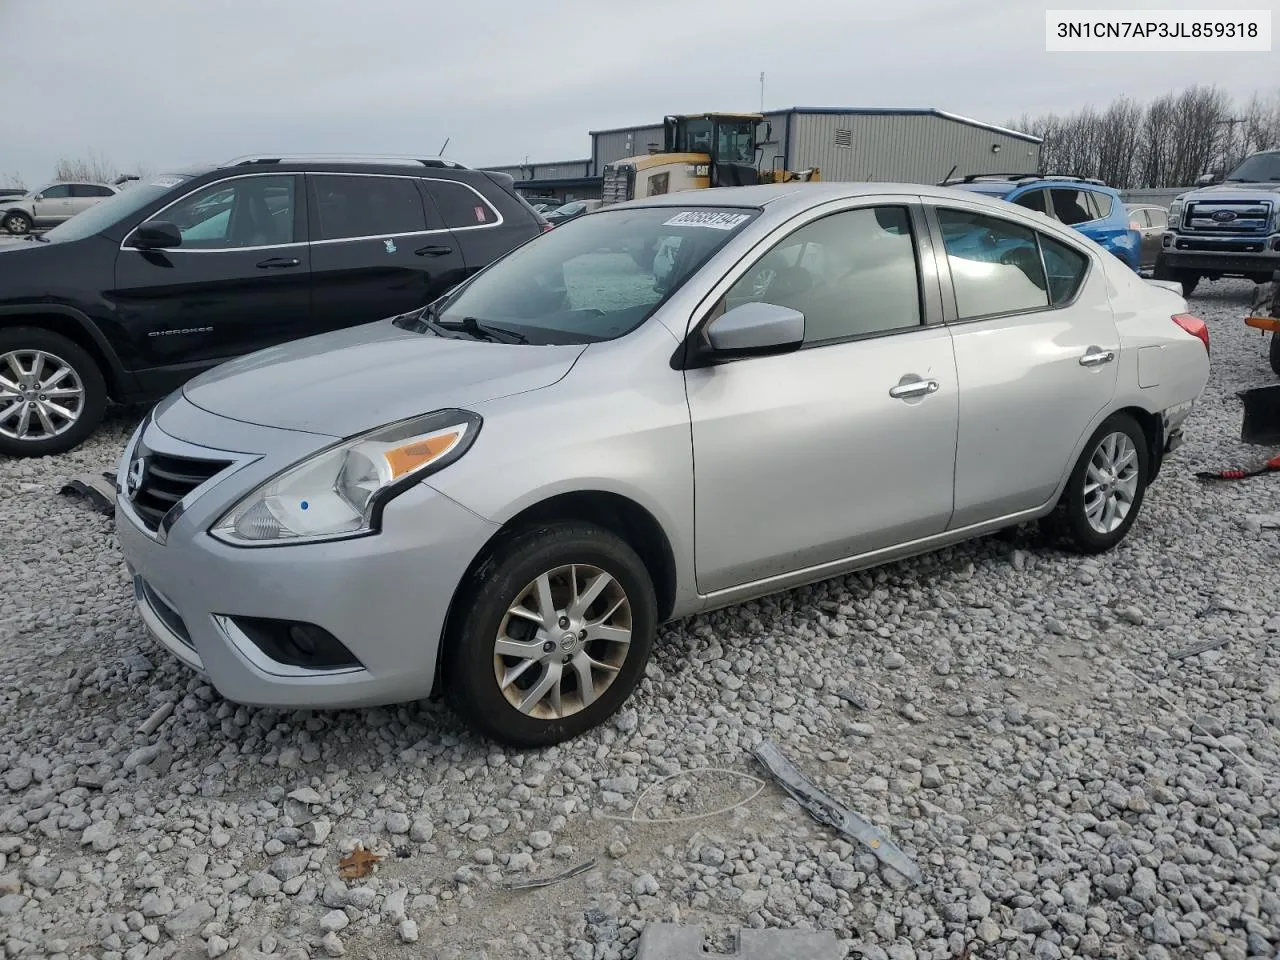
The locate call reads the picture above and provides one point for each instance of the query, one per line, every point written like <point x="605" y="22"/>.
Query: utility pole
<point x="762" y="91"/>
<point x="1229" y="142"/>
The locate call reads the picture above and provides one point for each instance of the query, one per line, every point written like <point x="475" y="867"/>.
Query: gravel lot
<point x="1022" y="731"/>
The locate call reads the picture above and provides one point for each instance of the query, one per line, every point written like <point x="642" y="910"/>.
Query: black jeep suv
<point x="139" y="293"/>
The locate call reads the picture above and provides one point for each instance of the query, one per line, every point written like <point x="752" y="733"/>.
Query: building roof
<point x="870" y="112"/>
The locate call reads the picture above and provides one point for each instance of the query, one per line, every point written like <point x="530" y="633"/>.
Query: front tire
<point x="1104" y="493"/>
<point x="52" y="394"/>
<point x="1188" y="278"/>
<point x="18" y="223"/>
<point x="551" y="635"/>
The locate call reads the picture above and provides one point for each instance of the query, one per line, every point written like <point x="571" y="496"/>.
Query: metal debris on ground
<point x="1200" y="648"/>
<point x="98" y="490"/>
<point x="826" y="810"/>
<point x="551" y="880"/>
<point x="153" y="722"/>
<point x="669" y="941"/>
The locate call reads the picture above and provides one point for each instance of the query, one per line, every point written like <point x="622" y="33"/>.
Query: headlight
<point x="340" y="492"/>
<point x="1175" y="213"/>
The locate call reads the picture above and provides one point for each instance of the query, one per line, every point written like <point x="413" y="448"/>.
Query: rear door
<point x="85" y="195"/>
<point x="1035" y="357"/>
<point x="375" y="252"/>
<point x="239" y="281"/>
<point x="483" y="232"/>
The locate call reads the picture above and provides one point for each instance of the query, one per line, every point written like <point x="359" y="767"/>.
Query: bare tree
<point x="94" y="168"/>
<point x="14" y="180"/>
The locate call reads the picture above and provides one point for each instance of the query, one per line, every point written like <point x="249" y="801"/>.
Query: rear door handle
<point x="279" y="262"/>
<point x="913" y="388"/>
<point x="433" y="251"/>
<point x="1096" y="358"/>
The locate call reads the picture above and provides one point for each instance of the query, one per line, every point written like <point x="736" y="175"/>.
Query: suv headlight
<point x="340" y="492"/>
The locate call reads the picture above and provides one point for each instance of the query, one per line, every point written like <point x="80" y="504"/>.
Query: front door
<point x="845" y="446"/>
<point x="1036" y="358"/>
<point x="239" y="281"/>
<point x="374" y="254"/>
<point x="53" y="204"/>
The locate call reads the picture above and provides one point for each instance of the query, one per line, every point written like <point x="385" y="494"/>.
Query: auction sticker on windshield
<point x="715" y="221"/>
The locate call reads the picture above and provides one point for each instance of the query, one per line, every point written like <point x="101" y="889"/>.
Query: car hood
<point x="17" y="243"/>
<point x="343" y="383"/>
<point x="1231" y="191"/>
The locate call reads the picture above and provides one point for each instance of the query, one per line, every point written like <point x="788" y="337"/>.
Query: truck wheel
<point x="52" y="394"/>
<point x="1188" y="281"/>
<point x="1187" y="278"/>
<point x="1275" y="354"/>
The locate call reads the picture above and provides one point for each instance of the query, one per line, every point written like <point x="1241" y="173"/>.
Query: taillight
<point x="1194" y="326"/>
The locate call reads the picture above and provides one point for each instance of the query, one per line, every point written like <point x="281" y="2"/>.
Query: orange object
<point x="1268" y="324"/>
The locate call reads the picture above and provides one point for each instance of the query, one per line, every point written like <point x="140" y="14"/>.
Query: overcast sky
<point x="164" y="83"/>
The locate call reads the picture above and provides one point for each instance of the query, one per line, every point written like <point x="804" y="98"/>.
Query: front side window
<point x="1071" y="206"/>
<point x="995" y="265"/>
<point x="348" y="207"/>
<point x="1159" y="218"/>
<point x="598" y="277"/>
<point x="246" y="212"/>
<point x="59" y="191"/>
<point x="851" y="274"/>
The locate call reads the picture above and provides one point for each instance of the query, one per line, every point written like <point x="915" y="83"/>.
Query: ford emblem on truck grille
<point x="1224" y="216"/>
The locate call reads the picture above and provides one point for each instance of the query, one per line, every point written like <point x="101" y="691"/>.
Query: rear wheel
<point x="52" y="394"/>
<point x="553" y="635"/>
<point x="1105" y="491"/>
<point x="18" y="223"/>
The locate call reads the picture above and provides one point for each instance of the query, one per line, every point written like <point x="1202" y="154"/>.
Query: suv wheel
<point x="52" y="394"/>
<point x="553" y="635"/>
<point x="1105" y="491"/>
<point x="18" y="223"/>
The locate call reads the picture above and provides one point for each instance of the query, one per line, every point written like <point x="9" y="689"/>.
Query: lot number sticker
<point x="713" y="221"/>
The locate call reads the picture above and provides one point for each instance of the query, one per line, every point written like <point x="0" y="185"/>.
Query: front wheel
<point x="18" y="223"/>
<point x="52" y="394"/>
<point x="1187" y="278"/>
<point x="1105" y="491"/>
<point x="551" y="635"/>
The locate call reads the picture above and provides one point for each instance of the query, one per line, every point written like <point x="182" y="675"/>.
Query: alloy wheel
<point x="1111" y="482"/>
<point x="563" y="641"/>
<point x="41" y="395"/>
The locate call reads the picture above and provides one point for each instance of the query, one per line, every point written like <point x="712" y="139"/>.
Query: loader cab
<point x="729" y="139"/>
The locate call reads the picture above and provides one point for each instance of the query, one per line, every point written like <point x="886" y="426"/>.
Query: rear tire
<point x="1188" y="278"/>
<point x="73" y="385"/>
<point x="1104" y="493"/>
<point x="18" y="223"/>
<point x="551" y="654"/>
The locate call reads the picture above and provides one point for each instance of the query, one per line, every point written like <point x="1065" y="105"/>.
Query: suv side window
<point x="244" y="212"/>
<point x="89" y="190"/>
<point x="58" y="191"/>
<point x="851" y="274"/>
<point x="1072" y="206"/>
<point x="1101" y="204"/>
<point x="1032" y="200"/>
<point x="347" y="207"/>
<point x="459" y="205"/>
<point x="995" y="265"/>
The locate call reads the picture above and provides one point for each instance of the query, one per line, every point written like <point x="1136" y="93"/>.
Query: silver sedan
<point x="654" y="410"/>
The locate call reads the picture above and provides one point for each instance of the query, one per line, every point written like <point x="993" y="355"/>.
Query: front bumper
<point x="1230" y="256"/>
<point x="385" y="597"/>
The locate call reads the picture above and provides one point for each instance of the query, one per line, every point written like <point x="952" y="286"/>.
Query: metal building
<point x="844" y="143"/>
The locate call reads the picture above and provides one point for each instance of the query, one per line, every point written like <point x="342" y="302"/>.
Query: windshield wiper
<point x="484" y="331"/>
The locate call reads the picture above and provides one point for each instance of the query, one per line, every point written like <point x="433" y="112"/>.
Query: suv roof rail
<point x="970" y="178"/>
<point x="435" y="162"/>
<point x="1067" y="176"/>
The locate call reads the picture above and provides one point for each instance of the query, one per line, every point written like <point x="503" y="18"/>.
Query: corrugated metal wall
<point x="904" y="148"/>
<point x="556" y="170"/>
<point x="512" y="169"/>
<point x="615" y="144"/>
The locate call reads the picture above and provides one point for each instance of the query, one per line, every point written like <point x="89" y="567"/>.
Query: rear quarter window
<point x="1103" y="204"/>
<point x="460" y="205"/>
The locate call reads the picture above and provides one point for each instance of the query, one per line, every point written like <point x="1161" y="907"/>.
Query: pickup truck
<point x="1226" y="229"/>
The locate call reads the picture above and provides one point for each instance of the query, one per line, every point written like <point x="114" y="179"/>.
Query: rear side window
<point x="995" y="265"/>
<point x="1032" y="200"/>
<point x="349" y="207"/>
<point x="1072" y="206"/>
<point x="1066" y="269"/>
<point x="460" y="206"/>
<point x="1159" y="218"/>
<point x="90" y="190"/>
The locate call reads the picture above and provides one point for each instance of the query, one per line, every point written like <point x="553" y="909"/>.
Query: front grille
<point x="165" y="480"/>
<point x="1246" y="217"/>
<point x="168" y="616"/>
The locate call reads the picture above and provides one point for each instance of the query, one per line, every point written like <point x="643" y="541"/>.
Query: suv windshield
<point x="596" y="277"/>
<point x="1260" y="168"/>
<point x="112" y="210"/>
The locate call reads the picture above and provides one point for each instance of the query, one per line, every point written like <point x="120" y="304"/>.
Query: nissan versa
<point x="502" y="495"/>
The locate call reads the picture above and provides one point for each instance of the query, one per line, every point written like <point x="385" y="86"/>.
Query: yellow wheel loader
<point x="699" y="150"/>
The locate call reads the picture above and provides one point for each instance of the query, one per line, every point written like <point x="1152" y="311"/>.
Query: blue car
<point x="1089" y="206"/>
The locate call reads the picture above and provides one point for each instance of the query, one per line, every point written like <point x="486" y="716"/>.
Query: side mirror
<point x="754" y="330"/>
<point x="156" y="234"/>
<point x="38" y="196"/>
<point x="1206" y="180"/>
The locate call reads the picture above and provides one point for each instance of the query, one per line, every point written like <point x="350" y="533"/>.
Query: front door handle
<point x="913" y="388"/>
<point x="1096" y="358"/>
<point x="433" y="251"/>
<point x="279" y="262"/>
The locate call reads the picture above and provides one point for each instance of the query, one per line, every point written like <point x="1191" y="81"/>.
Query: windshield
<point x="112" y="210"/>
<point x="597" y="277"/>
<point x="1260" y="168"/>
<point x="736" y="142"/>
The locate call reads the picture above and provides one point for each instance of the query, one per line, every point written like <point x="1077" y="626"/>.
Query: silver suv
<point x="52" y="204"/>
<point x="1227" y="229"/>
